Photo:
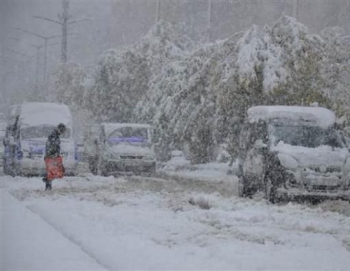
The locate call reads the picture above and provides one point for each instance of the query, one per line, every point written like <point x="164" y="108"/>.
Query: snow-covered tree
<point x="336" y="70"/>
<point x="69" y="85"/>
<point x="72" y="87"/>
<point x="123" y="77"/>
<point x="200" y="100"/>
<point x="301" y="54"/>
<point x="196" y="97"/>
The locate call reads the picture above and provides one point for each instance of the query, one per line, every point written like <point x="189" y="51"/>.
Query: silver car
<point x="294" y="153"/>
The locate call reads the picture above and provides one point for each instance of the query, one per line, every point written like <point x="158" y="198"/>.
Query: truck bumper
<point x="36" y="167"/>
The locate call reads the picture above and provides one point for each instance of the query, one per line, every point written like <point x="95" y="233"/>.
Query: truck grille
<point x="324" y="188"/>
<point x="130" y="157"/>
<point x="329" y="169"/>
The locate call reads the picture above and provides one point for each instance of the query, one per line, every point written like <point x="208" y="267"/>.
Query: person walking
<point x="53" y="159"/>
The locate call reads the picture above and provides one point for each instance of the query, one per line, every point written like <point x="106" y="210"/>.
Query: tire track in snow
<point x="71" y="239"/>
<point x="226" y="187"/>
<point x="179" y="185"/>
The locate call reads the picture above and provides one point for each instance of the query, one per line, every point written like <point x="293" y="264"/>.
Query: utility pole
<point x="46" y="39"/>
<point x="64" y="21"/>
<point x="210" y="5"/>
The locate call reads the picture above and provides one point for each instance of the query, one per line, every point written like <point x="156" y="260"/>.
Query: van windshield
<point x="41" y="132"/>
<point x="305" y="136"/>
<point x="129" y="135"/>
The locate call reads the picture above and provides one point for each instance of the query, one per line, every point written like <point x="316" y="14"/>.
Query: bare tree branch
<point x="79" y="20"/>
<point x="47" y="19"/>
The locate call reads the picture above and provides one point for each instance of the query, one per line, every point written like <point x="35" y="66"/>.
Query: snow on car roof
<point x="318" y="115"/>
<point x="110" y="127"/>
<point x="36" y="113"/>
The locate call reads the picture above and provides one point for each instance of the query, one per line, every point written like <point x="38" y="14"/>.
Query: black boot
<point x="48" y="186"/>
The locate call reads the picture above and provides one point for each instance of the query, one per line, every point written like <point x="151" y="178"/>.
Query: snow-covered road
<point x="150" y="223"/>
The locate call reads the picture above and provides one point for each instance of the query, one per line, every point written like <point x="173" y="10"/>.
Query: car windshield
<point x="129" y="135"/>
<point x="41" y="132"/>
<point x="305" y="136"/>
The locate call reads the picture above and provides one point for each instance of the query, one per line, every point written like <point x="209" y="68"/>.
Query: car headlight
<point x="347" y="164"/>
<point x="288" y="161"/>
<point x="26" y="153"/>
<point x="346" y="170"/>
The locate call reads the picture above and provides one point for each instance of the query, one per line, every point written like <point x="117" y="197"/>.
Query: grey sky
<point x="118" y="23"/>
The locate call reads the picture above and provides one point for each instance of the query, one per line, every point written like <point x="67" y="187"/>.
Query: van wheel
<point x="6" y="169"/>
<point x="270" y="190"/>
<point x="101" y="169"/>
<point x="10" y="170"/>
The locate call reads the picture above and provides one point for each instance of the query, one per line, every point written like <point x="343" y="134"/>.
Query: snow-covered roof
<point x="36" y="113"/>
<point x="318" y="115"/>
<point x="110" y="127"/>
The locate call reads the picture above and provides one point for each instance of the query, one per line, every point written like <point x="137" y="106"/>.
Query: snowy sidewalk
<point x="29" y="243"/>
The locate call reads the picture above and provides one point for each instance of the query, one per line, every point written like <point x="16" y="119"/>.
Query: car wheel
<point x="246" y="187"/>
<point x="152" y="169"/>
<point x="241" y="187"/>
<point x="93" y="166"/>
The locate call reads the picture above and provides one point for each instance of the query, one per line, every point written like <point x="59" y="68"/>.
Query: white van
<point x="27" y="131"/>
<point x="112" y="148"/>
<point x="293" y="152"/>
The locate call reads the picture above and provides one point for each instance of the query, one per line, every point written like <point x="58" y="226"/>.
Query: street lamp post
<point x="64" y="20"/>
<point x="295" y="9"/>
<point x="158" y="11"/>
<point x="38" y="47"/>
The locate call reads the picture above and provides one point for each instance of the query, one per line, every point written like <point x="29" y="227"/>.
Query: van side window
<point x="102" y="136"/>
<point x="246" y="138"/>
<point x="252" y="132"/>
<point x="261" y="131"/>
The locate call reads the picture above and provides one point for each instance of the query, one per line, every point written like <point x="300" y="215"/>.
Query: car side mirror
<point x="259" y="144"/>
<point x="97" y="141"/>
